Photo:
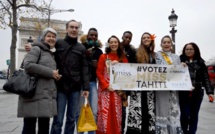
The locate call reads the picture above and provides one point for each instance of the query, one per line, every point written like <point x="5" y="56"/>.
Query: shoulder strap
<point x="166" y="58"/>
<point x="22" y="64"/>
<point x="39" y="57"/>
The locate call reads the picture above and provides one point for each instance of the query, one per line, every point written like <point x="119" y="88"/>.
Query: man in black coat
<point x="71" y="61"/>
<point x="72" y="64"/>
<point x="131" y="56"/>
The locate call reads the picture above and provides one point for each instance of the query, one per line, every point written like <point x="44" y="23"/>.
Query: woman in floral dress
<point x="141" y="117"/>
<point x="167" y="102"/>
<point x="109" y="101"/>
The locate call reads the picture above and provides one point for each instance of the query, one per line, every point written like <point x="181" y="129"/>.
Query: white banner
<point x="129" y="76"/>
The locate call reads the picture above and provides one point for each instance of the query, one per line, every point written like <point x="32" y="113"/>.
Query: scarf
<point x="70" y="40"/>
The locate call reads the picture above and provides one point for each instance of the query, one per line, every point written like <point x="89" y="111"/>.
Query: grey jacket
<point x="173" y="57"/>
<point x="43" y="104"/>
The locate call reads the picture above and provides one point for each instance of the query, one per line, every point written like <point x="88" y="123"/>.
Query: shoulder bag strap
<point x="39" y="56"/>
<point x="22" y="64"/>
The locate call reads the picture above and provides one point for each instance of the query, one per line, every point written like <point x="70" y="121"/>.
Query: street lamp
<point x="173" y="22"/>
<point x="30" y="40"/>
<point x="52" y="11"/>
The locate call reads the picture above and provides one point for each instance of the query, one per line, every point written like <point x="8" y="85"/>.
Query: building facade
<point x="31" y="27"/>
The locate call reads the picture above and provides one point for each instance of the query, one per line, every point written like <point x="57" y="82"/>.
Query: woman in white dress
<point x="167" y="102"/>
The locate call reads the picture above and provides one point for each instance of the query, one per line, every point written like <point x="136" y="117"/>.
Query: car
<point x="1" y="76"/>
<point x="211" y="73"/>
<point x="4" y="77"/>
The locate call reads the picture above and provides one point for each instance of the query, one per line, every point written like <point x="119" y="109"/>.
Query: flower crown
<point x="153" y="37"/>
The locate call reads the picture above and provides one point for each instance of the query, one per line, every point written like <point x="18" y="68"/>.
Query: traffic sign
<point x="8" y="62"/>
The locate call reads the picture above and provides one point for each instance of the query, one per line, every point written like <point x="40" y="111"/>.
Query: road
<point x="10" y="124"/>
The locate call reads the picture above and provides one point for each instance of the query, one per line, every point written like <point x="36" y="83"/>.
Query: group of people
<point x="69" y="69"/>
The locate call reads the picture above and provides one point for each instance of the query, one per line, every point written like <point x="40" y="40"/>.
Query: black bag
<point x="22" y="83"/>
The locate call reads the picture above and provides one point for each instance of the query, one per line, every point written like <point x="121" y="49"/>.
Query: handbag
<point x="22" y="83"/>
<point x="86" y="121"/>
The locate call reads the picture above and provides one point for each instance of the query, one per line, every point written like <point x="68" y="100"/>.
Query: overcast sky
<point x="196" y="21"/>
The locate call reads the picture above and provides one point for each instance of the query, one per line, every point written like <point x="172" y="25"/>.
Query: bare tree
<point x="10" y="12"/>
<point x="44" y="20"/>
<point x="211" y="61"/>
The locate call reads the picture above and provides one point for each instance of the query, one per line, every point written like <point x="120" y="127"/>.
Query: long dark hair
<point x="120" y="52"/>
<point x="197" y="54"/>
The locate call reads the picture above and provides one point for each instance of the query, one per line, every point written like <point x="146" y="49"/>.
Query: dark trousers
<point x="189" y="113"/>
<point x="123" y="118"/>
<point x="29" y="126"/>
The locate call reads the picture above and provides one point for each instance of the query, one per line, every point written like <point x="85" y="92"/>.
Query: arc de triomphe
<point x="33" y="27"/>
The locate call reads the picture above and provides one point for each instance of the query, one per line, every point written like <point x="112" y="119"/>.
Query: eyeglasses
<point x="189" y="49"/>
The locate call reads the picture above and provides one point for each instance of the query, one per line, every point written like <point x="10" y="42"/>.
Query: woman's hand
<point x="183" y="64"/>
<point x="27" y="47"/>
<point x="56" y="75"/>
<point x="114" y="62"/>
<point x="211" y="97"/>
<point x="110" y="89"/>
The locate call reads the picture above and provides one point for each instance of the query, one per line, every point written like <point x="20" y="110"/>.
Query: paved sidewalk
<point x="206" y="117"/>
<point x="10" y="124"/>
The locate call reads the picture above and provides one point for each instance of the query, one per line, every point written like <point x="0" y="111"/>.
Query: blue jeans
<point x="71" y="100"/>
<point x="93" y="99"/>
<point x="189" y="113"/>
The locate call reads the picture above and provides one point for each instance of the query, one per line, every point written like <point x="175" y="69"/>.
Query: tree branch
<point x="6" y="8"/>
<point x="28" y="5"/>
<point x="50" y="4"/>
<point x="27" y="1"/>
<point x="10" y="2"/>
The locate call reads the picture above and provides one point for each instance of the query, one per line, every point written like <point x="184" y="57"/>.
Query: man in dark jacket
<point x="72" y="64"/>
<point x="71" y="61"/>
<point x="93" y="53"/>
<point x="129" y="49"/>
<point x="131" y="56"/>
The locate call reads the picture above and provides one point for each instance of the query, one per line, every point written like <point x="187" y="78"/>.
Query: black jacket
<point x="130" y="53"/>
<point x="71" y="61"/>
<point x="92" y="54"/>
<point x="199" y="76"/>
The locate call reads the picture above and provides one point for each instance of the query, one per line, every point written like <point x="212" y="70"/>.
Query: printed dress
<point x="109" y="103"/>
<point x="167" y="102"/>
<point x="141" y="116"/>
